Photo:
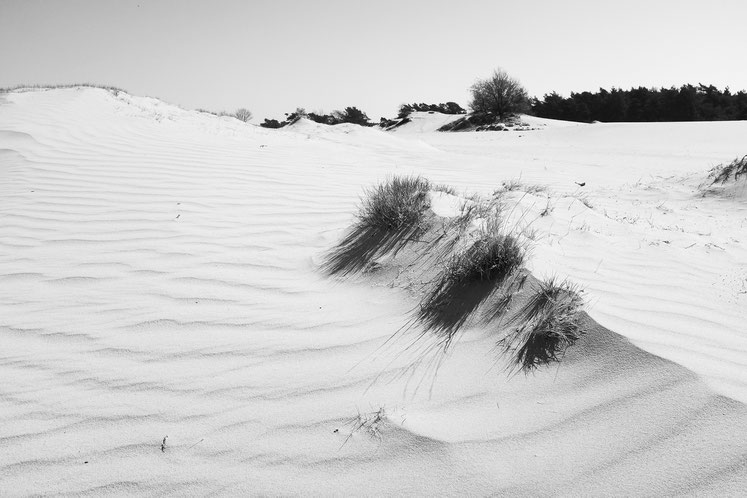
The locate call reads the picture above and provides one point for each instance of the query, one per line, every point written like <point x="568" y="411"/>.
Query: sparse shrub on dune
<point x="468" y="280"/>
<point x="243" y="114"/>
<point x="351" y="115"/>
<point x="731" y="171"/>
<point x="272" y="123"/>
<point x="548" y="323"/>
<point x="389" y="216"/>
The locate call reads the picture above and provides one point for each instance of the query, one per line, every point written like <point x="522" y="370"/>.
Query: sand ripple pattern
<point x="158" y="277"/>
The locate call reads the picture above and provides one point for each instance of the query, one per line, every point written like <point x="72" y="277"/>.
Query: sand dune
<point x="159" y="274"/>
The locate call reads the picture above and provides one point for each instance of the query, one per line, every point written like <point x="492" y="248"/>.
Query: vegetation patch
<point x="732" y="171"/>
<point x="348" y="115"/>
<point x="487" y="121"/>
<point x="549" y="323"/>
<point x="444" y="108"/>
<point x="686" y="103"/>
<point x="468" y="280"/>
<point x="389" y="216"/>
<point x="465" y="268"/>
<point x="111" y="89"/>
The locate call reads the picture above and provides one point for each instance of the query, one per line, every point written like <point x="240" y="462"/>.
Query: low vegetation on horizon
<point x="466" y="268"/>
<point x="348" y="115"/>
<point x="111" y="89"/>
<point x="497" y="101"/>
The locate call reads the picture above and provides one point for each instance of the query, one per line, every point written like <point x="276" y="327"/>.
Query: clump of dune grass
<point x="479" y="272"/>
<point x="398" y="201"/>
<point x="492" y="257"/>
<point x="469" y="278"/>
<point x="549" y="322"/>
<point x="390" y="215"/>
<point x="733" y="170"/>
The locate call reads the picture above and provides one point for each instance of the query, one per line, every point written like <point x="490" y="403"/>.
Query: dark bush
<point x="272" y="123"/>
<point x="447" y="108"/>
<point x="352" y="115"/>
<point x="687" y="103"/>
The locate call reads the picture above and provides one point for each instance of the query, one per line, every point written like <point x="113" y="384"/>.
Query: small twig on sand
<point x="198" y="442"/>
<point x="163" y="444"/>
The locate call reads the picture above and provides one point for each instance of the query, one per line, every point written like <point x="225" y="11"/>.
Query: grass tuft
<point x="391" y="214"/>
<point x="492" y="257"/>
<point x="549" y="324"/>
<point x="469" y="278"/>
<point x="396" y="202"/>
<point x="735" y="169"/>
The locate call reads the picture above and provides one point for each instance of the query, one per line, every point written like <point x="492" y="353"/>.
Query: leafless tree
<point x="243" y="114"/>
<point x="500" y="95"/>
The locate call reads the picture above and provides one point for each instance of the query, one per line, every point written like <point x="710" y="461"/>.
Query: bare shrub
<point x="500" y="95"/>
<point x="243" y="114"/>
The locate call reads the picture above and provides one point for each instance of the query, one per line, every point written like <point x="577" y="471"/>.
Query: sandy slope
<point x="159" y="276"/>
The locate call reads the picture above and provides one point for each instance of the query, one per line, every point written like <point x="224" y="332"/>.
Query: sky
<point x="274" y="56"/>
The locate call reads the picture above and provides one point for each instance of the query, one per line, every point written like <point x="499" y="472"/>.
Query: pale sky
<point x="274" y="56"/>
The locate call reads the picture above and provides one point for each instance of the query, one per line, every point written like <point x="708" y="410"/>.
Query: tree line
<point x="686" y="103"/>
<point x="500" y="96"/>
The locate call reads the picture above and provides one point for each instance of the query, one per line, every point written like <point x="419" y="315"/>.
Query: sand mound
<point x="557" y="407"/>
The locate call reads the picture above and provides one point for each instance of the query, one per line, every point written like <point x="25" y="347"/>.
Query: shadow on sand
<point x="364" y="244"/>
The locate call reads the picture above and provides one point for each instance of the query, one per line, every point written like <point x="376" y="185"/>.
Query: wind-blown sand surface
<point x="159" y="276"/>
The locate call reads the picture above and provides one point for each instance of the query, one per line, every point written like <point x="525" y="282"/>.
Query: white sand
<point x="159" y="277"/>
